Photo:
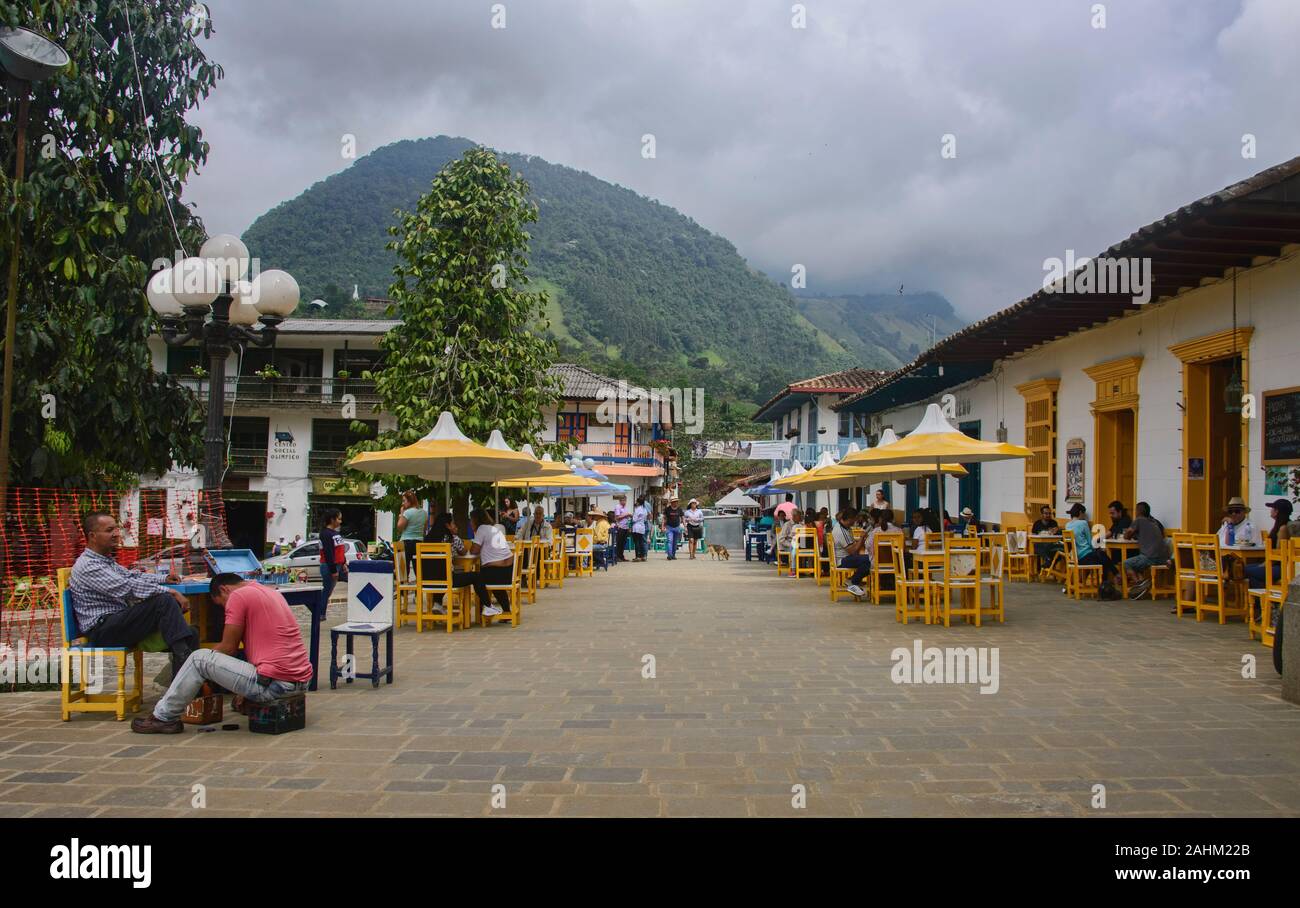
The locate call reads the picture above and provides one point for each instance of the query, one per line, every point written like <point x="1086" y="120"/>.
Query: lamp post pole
<point x="11" y="307"/>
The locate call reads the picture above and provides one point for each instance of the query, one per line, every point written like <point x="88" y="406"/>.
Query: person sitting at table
<point x="879" y="524"/>
<point x="1046" y="525"/>
<point x="599" y="522"/>
<point x="1153" y="550"/>
<point x="1280" y="511"/>
<point x="1237" y="530"/>
<point x="786" y="537"/>
<point x="496" y="563"/>
<point x="535" y="526"/>
<point x="1079" y="527"/>
<point x="119" y="607"/>
<point x="277" y="665"/>
<point x="1119" y="520"/>
<point x="967" y="519"/>
<point x="852" y="552"/>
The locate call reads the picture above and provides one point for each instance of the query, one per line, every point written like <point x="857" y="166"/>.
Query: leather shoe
<point x="151" y="725"/>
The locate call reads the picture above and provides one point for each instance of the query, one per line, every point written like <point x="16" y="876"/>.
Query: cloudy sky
<point x="820" y="146"/>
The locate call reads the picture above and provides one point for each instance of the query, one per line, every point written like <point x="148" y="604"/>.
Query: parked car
<point x="307" y="555"/>
<point x="180" y="559"/>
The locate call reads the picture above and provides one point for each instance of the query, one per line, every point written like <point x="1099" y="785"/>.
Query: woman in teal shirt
<point x="410" y="527"/>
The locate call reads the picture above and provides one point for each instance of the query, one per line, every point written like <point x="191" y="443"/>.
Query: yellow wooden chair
<point x="404" y="588"/>
<point x="1186" y="589"/>
<point x="1080" y="579"/>
<point x="1272" y="610"/>
<point x="529" y="574"/>
<point x="581" y="558"/>
<point x="74" y="692"/>
<point x="1021" y="561"/>
<point x="995" y="583"/>
<point x="961" y="575"/>
<point x="1263" y="601"/>
<point x="805" y="552"/>
<point x="433" y="573"/>
<point x="782" y="557"/>
<point x="553" y="560"/>
<point x="839" y="576"/>
<point x="1211" y="588"/>
<point x="825" y="558"/>
<point x="912" y="599"/>
<point x="882" y="566"/>
<point x="512" y="587"/>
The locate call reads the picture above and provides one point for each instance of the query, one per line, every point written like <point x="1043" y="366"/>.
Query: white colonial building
<point x="1182" y="402"/>
<point x="288" y="435"/>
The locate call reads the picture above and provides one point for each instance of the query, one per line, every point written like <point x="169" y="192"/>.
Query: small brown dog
<point x="719" y="552"/>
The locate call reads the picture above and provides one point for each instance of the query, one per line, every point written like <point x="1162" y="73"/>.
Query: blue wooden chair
<point x="370" y="614"/>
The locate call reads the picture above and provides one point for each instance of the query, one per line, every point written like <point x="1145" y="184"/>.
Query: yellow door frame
<point x="1205" y="349"/>
<point x="1117" y="389"/>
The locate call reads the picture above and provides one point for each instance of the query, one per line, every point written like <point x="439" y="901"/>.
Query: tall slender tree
<point x="465" y="342"/>
<point x="109" y="150"/>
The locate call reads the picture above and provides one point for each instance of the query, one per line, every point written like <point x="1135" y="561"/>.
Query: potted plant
<point x="198" y="371"/>
<point x="342" y="375"/>
<point x="268" y="373"/>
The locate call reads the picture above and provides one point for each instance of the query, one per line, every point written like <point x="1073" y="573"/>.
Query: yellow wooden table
<point x="925" y="564"/>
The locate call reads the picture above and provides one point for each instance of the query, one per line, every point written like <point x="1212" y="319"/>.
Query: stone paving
<point x="761" y="685"/>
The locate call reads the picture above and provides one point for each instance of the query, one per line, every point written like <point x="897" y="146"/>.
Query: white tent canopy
<point x="736" y="499"/>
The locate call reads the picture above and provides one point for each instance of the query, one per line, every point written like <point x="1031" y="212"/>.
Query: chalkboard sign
<point x="1281" y="427"/>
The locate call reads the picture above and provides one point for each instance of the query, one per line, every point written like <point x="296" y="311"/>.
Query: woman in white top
<point x="496" y="562"/>
<point x="694" y="519"/>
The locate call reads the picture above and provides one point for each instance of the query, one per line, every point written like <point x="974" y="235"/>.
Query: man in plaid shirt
<point x="118" y="607"/>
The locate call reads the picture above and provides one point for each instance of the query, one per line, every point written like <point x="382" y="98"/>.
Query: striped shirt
<point x="100" y="586"/>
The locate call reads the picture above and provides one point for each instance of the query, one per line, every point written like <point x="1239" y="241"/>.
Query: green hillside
<point x="635" y="285"/>
<point x="882" y="330"/>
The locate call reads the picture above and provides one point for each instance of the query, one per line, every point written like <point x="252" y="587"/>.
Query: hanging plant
<point x="342" y="375"/>
<point x="268" y="373"/>
<point x="198" y="372"/>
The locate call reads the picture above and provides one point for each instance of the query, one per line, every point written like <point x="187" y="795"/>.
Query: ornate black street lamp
<point x="26" y="58"/>
<point x="208" y="299"/>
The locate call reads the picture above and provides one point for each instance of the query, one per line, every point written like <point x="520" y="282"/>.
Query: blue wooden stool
<point x="370" y="614"/>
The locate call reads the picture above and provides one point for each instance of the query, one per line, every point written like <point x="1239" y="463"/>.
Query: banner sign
<point x="741" y="450"/>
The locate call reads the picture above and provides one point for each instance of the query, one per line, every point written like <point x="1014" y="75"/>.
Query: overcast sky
<point x="819" y="146"/>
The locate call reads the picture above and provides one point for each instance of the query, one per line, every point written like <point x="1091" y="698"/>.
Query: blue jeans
<point x="235" y="675"/>
<point x="861" y="565"/>
<point x="328" y="579"/>
<point x="674" y="540"/>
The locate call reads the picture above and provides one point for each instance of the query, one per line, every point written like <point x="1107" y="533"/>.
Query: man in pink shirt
<point x="785" y="508"/>
<point x="277" y="665"/>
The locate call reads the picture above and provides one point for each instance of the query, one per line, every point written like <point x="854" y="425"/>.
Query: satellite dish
<point x="28" y="56"/>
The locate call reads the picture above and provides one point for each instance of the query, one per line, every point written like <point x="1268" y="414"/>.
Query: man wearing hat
<point x="1237" y="530"/>
<point x="673" y="526"/>
<point x="967" y="518"/>
<point x="599" y="525"/>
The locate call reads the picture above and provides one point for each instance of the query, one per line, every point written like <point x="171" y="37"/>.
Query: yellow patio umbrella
<point x="934" y="441"/>
<point x="841" y="476"/>
<point x="447" y="454"/>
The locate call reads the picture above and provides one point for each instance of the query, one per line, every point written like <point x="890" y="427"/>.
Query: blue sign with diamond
<point x="369" y="596"/>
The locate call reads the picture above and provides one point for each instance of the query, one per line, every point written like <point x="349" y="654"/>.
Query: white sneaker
<point x="492" y="610"/>
<point x="856" y="590"/>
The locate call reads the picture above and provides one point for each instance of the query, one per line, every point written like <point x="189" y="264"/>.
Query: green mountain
<point x="634" y="284"/>
<point x="882" y="330"/>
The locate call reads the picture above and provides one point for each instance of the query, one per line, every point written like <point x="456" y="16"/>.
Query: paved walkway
<point x="760" y="685"/>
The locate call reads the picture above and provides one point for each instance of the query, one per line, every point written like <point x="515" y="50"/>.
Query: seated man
<point x="1153" y="550"/>
<point x="277" y="665"/>
<point x="851" y="552"/>
<point x="118" y="607"/>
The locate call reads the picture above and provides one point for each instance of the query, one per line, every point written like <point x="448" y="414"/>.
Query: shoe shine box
<point x="278" y="717"/>
<point x="204" y="709"/>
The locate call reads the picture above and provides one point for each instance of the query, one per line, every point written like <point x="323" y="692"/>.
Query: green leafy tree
<point x="105" y="155"/>
<point x="466" y="341"/>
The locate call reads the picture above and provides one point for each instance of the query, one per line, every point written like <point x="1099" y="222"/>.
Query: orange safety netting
<point x="163" y="530"/>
